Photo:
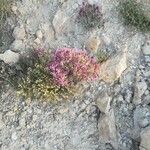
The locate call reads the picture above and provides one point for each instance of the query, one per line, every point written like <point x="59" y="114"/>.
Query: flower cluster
<point x="90" y="15"/>
<point x="70" y="66"/>
<point x="40" y="74"/>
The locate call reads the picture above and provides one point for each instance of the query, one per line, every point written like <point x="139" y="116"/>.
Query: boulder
<point x="146" y="48"/>
<point x="59" y="21"/>
<point x="113" y="68"/>
<point x="9" y="57"/>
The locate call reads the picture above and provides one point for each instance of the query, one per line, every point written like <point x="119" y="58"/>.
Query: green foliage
<point x="133" y="15"/>
<point x="102" y="56"/>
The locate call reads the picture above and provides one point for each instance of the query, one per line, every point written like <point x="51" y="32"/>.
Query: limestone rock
<point x="93" y="44"/>
<point x="19" y="33"/>
<point x="37" y="41"/>
<point x="146" y="48"/>
<point x="145" y="137"/>
<point x="39" y="34"/>
<point x="18" y="45"/>
<point x="103" y="102"/>
<point x="59" y="21"/>
<point x="9" y="57"/>
<point x="113" y="68"/>
<point x="107" y="129"/>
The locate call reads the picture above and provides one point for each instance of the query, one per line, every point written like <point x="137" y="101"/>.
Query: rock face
<point x="145" y="136"/>
<point x="93" y="44"/>
<point x="59" y="21"/>
<point x="113" y="68"/>
<point x="9" y="57"/>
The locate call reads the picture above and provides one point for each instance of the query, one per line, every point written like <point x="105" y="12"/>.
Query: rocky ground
<point x="113" y="114"/>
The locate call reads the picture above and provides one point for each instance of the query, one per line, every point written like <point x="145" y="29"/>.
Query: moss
<point x="133" y="15"/>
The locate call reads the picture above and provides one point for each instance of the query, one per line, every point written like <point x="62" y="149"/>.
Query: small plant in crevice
<point x="90" y="16"/>
<point x="45" y="75"/>
<point x="133" y="15"/>
<point x="102" y="56"/>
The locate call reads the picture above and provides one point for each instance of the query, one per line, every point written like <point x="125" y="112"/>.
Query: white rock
<point x="146" y="48"/>
<point x="14" y="9"/>
<point x="18" y="45"/>
<point x="59" y="21"/>
<point x="19" y="33"/>
<point x="113" y="68"/>
<point x="39" y="34"/>
<point x="14" y="136"/>
<point x="145" y="139"/>
<point x="9" y="57"/>
<point x="103" y="102"/>
<point x="37" y="41"/>
<point x="93" y="44"/>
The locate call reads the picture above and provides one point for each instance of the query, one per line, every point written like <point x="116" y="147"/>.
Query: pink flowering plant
<point x="70" y="66"/>
<point x="54" y="75"/>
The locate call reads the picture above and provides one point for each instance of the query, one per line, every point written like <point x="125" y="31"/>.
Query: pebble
<point x="14" y="136"/>
<point x="39" y="34"/>
<point x="37" y="41"/>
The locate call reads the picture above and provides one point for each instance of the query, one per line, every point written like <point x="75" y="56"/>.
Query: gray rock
<point x="145" y="136"/>
<point x="19" y="33"/>
<point x="146" y="48"/>
<point x="18" y="45"/>
<point x="9" y="57"/>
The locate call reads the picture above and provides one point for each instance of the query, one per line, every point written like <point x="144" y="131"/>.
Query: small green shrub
<point x="90" y="16"/>
<point x="102" y="56"/>
<point x="133" y="15"/>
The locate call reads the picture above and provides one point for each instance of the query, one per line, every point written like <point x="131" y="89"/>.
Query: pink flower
<point x="72" y="65"/>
